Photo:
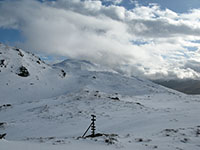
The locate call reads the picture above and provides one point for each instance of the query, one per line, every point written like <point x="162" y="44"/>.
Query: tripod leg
<point x="86" y="130"/>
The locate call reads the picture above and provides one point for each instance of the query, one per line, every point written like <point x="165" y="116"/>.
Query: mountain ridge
<point x="187" y="86"/>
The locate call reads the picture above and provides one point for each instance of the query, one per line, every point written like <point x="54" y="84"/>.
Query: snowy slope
<point x="91" y="76"/>
<point x="53" y="111"/>
<point x="40" y="82"/>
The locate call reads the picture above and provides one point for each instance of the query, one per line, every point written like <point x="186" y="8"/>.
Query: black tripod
<point x="92" y="126"/>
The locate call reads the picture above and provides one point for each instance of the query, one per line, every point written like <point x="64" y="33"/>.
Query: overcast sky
<point x="152" y="38"/>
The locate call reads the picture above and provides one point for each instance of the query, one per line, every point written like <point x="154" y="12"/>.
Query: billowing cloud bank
<point x="143" y="41"/>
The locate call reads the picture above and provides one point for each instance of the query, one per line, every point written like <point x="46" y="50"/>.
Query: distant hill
<point x="185" y="86"/>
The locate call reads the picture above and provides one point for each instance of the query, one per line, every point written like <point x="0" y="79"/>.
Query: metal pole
<point x="93" y="125"/>
<point x="87" y="130"/>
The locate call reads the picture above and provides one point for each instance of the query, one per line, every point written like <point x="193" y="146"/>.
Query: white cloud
<point x="110" y="35"/>
<point x="114" y="1"/>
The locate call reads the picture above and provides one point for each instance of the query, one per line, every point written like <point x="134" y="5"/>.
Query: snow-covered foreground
<point x="75" y="145"/>
<point x="133" y="113"/>
<point x="144" y="122"/>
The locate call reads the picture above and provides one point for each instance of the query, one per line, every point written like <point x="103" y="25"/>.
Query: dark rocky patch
<point x="19" y="52"/>
<point x="63" y="73"/>
<point x="23" y="72"/>
<point x="198" y="132"/>
<point x="5" y="106"/>
<point x="2" y="63"/>
<point x="38" y="61"/>
<point x="2" y="124"/>
<point x="184" y="140"/>
<point x="114" y="98"/>
<point x="139" y="104"/>
<point x="139" y="140"/>
<point x="108" y="138"/>
<point x="2" y="136"/>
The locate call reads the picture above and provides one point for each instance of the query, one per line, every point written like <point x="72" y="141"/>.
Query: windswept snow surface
<point x="51" y="108"/>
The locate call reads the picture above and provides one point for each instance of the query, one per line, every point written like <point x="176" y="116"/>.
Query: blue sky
<point x="179" y="6"/>
<point x="10" y="36"/>
<point x="175" y="5"/>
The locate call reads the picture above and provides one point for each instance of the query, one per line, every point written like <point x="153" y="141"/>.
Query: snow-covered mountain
<point x="47" y="104"/>
<point x="26" y="77"/>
